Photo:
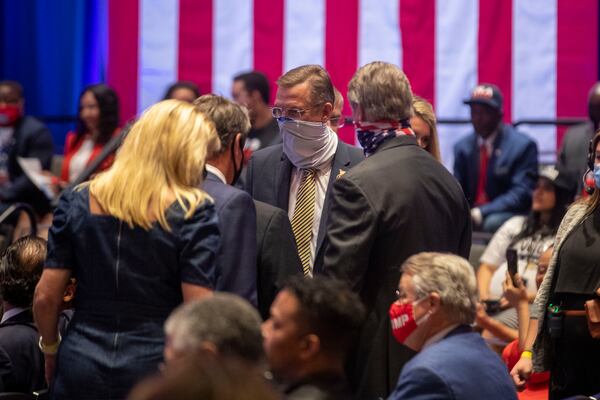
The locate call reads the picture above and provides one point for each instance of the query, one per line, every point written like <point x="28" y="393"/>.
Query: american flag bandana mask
<point x="371" y="134"/>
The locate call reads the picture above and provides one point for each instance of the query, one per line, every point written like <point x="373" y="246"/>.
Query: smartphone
<point x="512" y="262"/>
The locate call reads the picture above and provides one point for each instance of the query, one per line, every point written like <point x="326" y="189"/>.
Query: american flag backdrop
<point x="543" y="54"/>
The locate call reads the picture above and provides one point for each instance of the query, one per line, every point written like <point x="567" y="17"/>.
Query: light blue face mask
<point x="597" y="175"/>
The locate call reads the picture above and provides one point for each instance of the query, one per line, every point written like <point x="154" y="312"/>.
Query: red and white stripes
<point x="544" y="57"/>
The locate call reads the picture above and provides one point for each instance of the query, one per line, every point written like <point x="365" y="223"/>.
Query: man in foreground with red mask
<point x="437" y="299"/>
<point x="21" y="136"/>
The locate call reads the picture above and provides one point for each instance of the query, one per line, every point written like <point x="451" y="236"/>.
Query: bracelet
<point x="49" y="349"/>
<point x="527" y="354"/>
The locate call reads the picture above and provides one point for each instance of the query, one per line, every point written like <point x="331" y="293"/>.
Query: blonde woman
<point x="140" y="238"/>
<point x="423" y="124"/>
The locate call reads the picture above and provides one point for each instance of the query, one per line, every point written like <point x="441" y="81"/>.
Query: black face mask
<point x="236" y="171"/>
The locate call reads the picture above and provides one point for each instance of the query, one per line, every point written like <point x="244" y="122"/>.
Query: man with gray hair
<point x="223" y="324"/>
<point x="397" y="202"/>
<point x="436" y="304"/>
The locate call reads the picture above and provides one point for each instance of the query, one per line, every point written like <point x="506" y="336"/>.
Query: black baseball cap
<point x="487" y="94"/>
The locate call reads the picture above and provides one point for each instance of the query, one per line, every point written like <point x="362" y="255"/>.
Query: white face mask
<point x="307" y="144"/>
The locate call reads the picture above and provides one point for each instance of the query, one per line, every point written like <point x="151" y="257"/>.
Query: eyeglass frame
<point x="284" y="112"/>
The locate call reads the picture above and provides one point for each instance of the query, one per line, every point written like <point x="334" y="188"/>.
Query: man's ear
<point x="238" y="147"/>
<point x="435" y="302"/>
<point x="310" y="346"/>
<point x="327" y="110"/>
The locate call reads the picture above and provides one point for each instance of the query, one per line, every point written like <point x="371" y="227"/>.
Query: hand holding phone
<point x="512" y="263"/>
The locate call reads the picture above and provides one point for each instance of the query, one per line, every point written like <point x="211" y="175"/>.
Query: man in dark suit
<point x="298" y="174"/>
<point x="21" y="136"/>
<point x="312" y="326"/>
<point x="397" y="202"/>
<point x="235" y="209"/>
<point x="509" y="159"/>
<point x="20" y="270"/>
<point x="437" y="299"/>
<point x="277" y="257"/>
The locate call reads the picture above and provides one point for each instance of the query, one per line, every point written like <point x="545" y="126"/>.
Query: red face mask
<point x="9" y="114"/>
<point x="403" y="321"/>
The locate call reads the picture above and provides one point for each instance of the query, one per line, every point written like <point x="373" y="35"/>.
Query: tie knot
<point x="309" y="172"/>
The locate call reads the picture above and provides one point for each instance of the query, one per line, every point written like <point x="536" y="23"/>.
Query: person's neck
<point x="7" y="306"/>
<point x="545" y="217"/>
<point x="263" y="117"/>
<point x="330" y="367"/>
<point x="223" y="164"/>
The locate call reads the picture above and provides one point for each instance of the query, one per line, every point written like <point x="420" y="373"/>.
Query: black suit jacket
<point x="237" y="223"/>
<point x="277" y="255"/>
<point x="19" y="340"/>
<point x="398" y="202"/>
<point x="269" y="175"/>
<point x="31" y="139"/>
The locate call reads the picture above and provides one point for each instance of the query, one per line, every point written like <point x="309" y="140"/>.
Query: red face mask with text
<point x="402" y="318"/>
<point x="9" y="114"/>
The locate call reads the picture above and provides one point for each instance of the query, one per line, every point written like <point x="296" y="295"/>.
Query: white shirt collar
<point x="439" y="336"/>
<point x="217" y="172"/>
<point x="11" y="313"/>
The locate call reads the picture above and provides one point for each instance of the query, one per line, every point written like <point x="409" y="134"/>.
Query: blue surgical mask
<point x="597" y="175"/>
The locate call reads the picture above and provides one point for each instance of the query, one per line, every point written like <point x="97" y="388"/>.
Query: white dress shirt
<point x="216" y="171"/>
<point x="321" y="182"/>
<point x="80" y="158"/>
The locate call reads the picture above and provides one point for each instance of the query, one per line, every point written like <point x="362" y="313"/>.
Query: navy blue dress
<point x="128" y="281"/>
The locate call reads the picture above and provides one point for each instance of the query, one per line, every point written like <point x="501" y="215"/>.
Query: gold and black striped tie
<point x="302" y="220"/>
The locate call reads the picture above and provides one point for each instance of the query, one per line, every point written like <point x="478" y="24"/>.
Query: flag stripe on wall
<point x="158" y="49"/>
<point x="534" y="70"/>
<point x="577" y="56"/>
<point x="341" y="50"/>
<point x="268" y="39"/>
<point x="417" y="23"/>
<point x="455" y="67"/>
<point x="123" y="41"/>
<point x="494" y="61"/>
<point x="379" y="32"/>
<point x="232" y="42"/>
<point x="304" y="33"/>
<point x="195" y="42"/>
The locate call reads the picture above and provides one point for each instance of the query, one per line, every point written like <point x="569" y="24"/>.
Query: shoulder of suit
<point x="515" y="136"/>
<point x="31" y="124"/>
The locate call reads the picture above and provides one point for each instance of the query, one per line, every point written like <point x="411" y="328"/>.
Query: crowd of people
<point x="239" y="249"/>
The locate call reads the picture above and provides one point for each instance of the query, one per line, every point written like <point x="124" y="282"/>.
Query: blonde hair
<point x="162" y="157"/>
<point x="382" y="91"/>
<point x="450" y="276"/>
<point x="424" y="110"/>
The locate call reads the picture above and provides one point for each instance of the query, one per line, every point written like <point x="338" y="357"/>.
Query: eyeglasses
<point x="400" y="295"/>
<point x="293" y="113"/>
<point x="340" y="121"/>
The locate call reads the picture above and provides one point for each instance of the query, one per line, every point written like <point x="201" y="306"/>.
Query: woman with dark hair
<point x="182" y="90"/>
<point x="560" y="337"/>
<point x="530" y="236"/>
<point x="98" y="123"/>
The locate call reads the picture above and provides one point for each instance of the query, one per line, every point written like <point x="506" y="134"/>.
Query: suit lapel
<point x="340" y="164"/>
<point x="282" y="182"/>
